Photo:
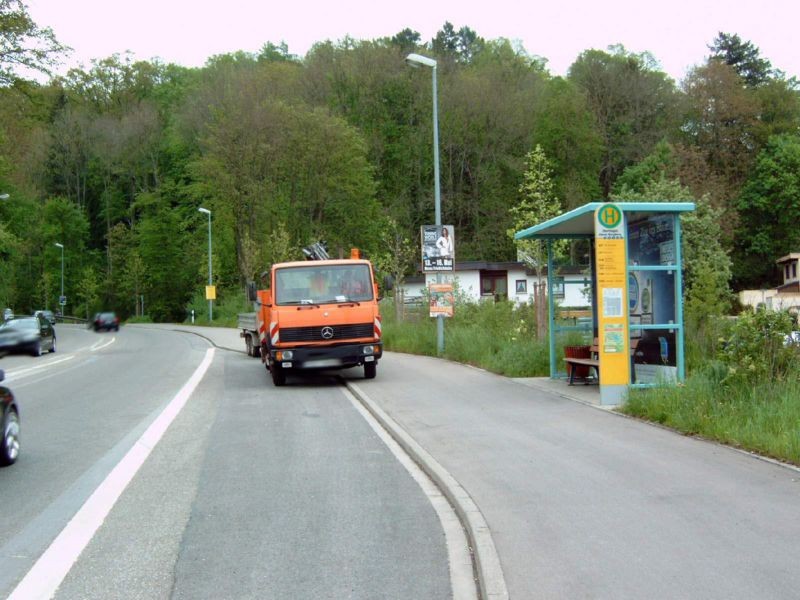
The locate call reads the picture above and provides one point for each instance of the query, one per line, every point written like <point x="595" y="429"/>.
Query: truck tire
<point x="370" y="370"/>
<point x="248" y="341"/>
<point x="278" y="375"/>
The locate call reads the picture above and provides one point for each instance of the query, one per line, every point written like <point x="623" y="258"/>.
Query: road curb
<point x="489" y="572"/>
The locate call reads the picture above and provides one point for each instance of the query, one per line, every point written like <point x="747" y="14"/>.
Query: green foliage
<point x="755" y="350"/>
<point x="769" y="207"/>
<point x="23" y="44"/>
<point x="763" y="417"/>
<point x="744" y="57"/>
<point x="492" y="335"/>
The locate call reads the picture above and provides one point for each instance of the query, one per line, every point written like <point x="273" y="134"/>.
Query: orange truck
<point x="315" y="314"/>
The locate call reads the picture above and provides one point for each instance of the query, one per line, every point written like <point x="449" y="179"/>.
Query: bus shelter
<point x="636" y="291"/>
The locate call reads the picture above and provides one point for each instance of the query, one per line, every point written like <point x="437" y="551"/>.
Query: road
<point x="252" y="492"/>
<point x="262" y="492"/>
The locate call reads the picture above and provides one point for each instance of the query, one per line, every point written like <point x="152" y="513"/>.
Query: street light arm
<point x="415" y="60"/>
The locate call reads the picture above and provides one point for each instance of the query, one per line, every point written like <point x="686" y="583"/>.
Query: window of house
<point x="494" y="283"/>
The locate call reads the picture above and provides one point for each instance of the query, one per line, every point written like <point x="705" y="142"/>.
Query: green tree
<point x="537" y="203"/>
<point x="744" y="57"/>
<point x="632" y="103"/>
<point x="87" y="292"/>
<point x="769" y="209"/>
<point x="23" y="44"/>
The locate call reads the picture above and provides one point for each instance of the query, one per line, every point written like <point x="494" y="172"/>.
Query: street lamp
<point x="3" y="196"/>
<point x="61" y="298"/>
<point x="208" y="212"/>
<point x="416" y="61"/>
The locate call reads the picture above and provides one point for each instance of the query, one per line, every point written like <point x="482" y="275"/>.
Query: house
<point x="785" y="296"/>
<point x="481" y="280"/>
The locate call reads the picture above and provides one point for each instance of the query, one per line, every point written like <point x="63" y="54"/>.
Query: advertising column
<point x="612" y="298"/>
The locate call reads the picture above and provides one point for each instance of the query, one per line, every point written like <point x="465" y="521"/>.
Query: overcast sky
<point x="187" y="32"/>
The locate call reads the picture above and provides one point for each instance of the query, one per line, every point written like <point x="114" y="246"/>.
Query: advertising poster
<point x="438" y="249"/>
<point x="442" y="299"/>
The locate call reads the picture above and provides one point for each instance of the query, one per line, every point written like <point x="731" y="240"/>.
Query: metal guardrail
<point x="68" y="319"/>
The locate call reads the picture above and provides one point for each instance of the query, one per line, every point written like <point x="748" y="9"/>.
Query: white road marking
<point x="460" y="561"/>
<point x="49" y="571"/>
<point x="20" y="373"/>
<point x="95" y="347"/>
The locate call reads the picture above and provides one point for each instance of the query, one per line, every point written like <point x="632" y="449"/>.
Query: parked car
<point x="9" y="426"/>
<point x="47" y="314"/>
<point x="8" y="314"/>
<point x="106" y="321"/>
<point x="27" y="334"/>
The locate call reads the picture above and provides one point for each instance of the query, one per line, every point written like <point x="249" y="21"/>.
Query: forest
<point x="113" y="161"/>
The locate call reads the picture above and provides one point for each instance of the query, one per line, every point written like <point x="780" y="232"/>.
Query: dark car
<point x="106" y="321"/>
<point x="33" y="335"/>
<point x="9" y="442"/>
<point x="46" y="314"/>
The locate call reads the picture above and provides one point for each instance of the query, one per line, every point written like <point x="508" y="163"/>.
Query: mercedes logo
<point x="327" y="332"/>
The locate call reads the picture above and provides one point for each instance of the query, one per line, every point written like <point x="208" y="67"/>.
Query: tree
<point x="769" y="207"/>
<point x="632" y="104"/>
<point x="398" y="254"/>
<point x="743" y="57"/>
<point x="537" y="203"/>
<point x="23" y="44"/>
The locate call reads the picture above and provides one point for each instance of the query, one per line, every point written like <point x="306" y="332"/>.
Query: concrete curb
<point x="489" y="572"/>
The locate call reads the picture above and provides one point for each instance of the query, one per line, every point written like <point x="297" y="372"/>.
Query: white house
<point x="784" y="297"/>
<point x="480" y="280"/>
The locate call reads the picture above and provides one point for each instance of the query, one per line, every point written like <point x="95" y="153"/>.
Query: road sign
<point x="211" y="292"/>
<point x="62" y="300"/>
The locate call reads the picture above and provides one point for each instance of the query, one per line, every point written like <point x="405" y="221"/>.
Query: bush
<point x="755" y="350"/>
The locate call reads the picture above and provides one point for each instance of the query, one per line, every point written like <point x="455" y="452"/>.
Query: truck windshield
<point x="323" y="284"/>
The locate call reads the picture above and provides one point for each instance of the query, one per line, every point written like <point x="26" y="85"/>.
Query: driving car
<point x="9" y="426"/>
<point x="106" y="321"/>
<point x="47" y="314"/>
<point x="27" y="334"/>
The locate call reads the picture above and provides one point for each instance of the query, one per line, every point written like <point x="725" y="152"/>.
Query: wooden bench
<point x="594" y="361"/>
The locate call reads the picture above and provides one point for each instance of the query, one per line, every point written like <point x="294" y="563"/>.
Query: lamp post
<point x="208" y="212"/>
<point x="61" y="298"/>
<point x="416" y="61"/>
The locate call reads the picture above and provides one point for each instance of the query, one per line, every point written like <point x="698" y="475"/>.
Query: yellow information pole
<point x="612" y="303"/>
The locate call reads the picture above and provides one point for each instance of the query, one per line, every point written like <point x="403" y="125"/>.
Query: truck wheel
<point x="256" y="351"/>
<point x="248" y="341"/>
<point x="370" y="370"/>
<point x="278" y="375"/>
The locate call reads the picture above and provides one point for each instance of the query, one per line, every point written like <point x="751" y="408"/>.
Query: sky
<point x="677" y="32"/>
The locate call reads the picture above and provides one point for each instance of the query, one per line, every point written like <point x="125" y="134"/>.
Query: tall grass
<point x="494" y="335"/>
<point x="763" y="418"/>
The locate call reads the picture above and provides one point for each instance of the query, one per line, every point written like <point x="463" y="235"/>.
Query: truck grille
<point x="314" y="334"/>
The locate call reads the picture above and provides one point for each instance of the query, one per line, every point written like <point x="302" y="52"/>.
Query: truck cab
<point x="319" y="314"/>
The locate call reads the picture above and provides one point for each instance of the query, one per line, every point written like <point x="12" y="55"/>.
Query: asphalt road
<point x="253" y="491"/>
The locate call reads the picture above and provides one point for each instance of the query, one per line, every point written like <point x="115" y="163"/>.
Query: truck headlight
<point x="368" y="350"/>
<point x="284" y="355"/>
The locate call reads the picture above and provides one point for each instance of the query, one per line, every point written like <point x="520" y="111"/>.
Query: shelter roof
<point x="579" y="222"/>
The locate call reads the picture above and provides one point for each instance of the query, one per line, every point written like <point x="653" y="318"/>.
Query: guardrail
<point x="68" y="319"/>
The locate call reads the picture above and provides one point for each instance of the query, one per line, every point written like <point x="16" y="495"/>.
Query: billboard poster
<point x="438" y="248"/>
<point x="442" y="299"/>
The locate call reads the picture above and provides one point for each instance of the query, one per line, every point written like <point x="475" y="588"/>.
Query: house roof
<point x="788" y="258"/>
<point x="579" y="222"/>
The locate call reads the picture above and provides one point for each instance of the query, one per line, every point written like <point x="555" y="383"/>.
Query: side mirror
<point x="388" y="283"/>
<point x="251" y="291"/>
<point x="2" y="375"/>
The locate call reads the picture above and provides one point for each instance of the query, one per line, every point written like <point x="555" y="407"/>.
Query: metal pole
<point x="437" y="203"/>
<point x="210" y="310"/>
<point x="62" y="275"/>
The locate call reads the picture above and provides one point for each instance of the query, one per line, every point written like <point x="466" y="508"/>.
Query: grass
<point x="762" y="418"/>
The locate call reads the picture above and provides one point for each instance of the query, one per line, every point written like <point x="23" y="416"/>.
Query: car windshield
<point x="323" y="284"/>
<point x="30" y="323"/>
<point x="107" y="316"/>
